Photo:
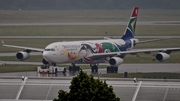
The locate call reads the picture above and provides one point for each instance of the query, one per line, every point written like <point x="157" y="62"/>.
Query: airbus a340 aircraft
<point x="94" y="52"/>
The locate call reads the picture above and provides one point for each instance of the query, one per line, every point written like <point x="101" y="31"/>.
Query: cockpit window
<point x="52" y="49"/>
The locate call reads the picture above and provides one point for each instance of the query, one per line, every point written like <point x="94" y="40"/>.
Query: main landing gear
<point x="73" y="67"/>
<point x="94" y="68"/>
<point x="112" y="69"/>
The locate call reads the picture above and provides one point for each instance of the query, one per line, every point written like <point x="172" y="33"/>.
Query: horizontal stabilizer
<point x="146" y="41"/>
<point x="107" y="38"/>
<point x="2" y="43"/>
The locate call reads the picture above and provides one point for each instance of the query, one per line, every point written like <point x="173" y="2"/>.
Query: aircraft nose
<point x="45" y="55"/>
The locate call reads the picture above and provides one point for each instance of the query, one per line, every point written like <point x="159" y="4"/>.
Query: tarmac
<point x="129" y="68"/>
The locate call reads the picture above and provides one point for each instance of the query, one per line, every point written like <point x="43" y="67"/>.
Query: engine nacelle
<point x="162" y="56"/>
<point x="22" y="55"/>
<point x="45" y="62"/>
<point x="115" y="61"/>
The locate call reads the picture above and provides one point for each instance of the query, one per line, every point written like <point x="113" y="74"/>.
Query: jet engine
<point x="162" y="56"/>
<point x="115" y="61"/>
<point x="45" y="62"/>
<point x="22" y="55"/>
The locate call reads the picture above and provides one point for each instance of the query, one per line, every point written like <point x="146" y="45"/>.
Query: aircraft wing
<point x="105" y="55"/>
<point x="25" y="48"/>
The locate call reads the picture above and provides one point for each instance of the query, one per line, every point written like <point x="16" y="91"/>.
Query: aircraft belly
<point x="99" y="61"/>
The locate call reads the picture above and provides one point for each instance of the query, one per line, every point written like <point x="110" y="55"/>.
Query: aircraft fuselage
<point x="77" y="51"/>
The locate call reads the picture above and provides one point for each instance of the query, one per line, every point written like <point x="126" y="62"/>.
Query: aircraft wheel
<point x="78" y="68"/>
<point x="64" y="71"/>
<point x="108" y="69"/>
<point x="96" y="68"/>
<point x="74" y="68"/>
<point x="116" y="70"/>
<point x="70" y="68"/>
<point x="92" y="69"/>
<point x="112" y="69"/>
<point x="56" y="71"/>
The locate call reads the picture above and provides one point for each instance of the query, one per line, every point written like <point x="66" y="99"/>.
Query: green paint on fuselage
<point x="109" y="46"/>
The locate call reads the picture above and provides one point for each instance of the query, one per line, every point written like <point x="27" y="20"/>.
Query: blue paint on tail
<point x="130" y="29"/>
<point x="128" y="35"/>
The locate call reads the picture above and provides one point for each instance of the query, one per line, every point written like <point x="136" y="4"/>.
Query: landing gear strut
<point x="53" y="64"/>
<point x="94" y="68"/>
<point x="112" y="69"/>
<point x="73" y="67"/>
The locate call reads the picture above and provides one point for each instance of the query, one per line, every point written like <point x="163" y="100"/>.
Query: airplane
<point x="94" y="52"/>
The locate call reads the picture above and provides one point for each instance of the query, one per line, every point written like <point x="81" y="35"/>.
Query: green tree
<point x="85" y="88"/>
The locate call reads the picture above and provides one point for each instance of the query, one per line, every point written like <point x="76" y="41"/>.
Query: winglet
<point x="2" y="43"/>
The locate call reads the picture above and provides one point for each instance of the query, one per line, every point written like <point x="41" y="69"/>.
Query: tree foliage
<point x="85" y="88"/>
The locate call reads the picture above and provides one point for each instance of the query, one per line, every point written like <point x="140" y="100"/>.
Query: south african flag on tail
<point x="130" y="30"/>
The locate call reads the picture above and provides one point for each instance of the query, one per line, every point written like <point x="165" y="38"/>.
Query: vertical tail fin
<point x="130" y="29"/>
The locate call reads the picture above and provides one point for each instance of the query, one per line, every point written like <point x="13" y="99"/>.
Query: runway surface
<point x="130" y="68"/>
<point x="93" y="23"/>
<point x="146" y="67"/>
<point x="126" y="89"/>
